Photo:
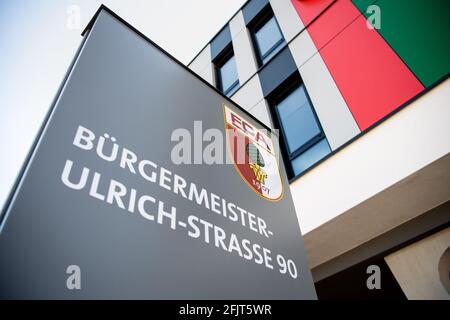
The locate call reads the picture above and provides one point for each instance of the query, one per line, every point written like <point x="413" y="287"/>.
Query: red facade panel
<point x="310" y="9"/>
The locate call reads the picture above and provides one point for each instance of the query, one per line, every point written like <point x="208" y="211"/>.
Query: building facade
<point x="359" y="91"/>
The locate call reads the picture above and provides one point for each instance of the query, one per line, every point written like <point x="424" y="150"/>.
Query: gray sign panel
<point x="102" y="211"/>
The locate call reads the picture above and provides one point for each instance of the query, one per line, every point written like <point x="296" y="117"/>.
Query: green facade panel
<point x="419" y="32"/>
<point x="362" y="4"/>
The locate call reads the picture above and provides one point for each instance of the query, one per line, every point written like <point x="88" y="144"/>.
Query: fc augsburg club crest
<point x="253" y="155"/>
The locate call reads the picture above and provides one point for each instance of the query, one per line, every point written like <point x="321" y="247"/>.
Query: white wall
<point x="405" y="143"/>
<point x="416" y="267"/>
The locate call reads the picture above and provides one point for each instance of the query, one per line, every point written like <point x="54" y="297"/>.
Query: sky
<point x="39" y="38"/>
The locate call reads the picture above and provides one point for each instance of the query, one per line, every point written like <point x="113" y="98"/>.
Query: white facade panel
<point x="261" y="112"/>
<point x="202" y="60"/>
<point x="288" y="19"/>
<point x="236" y="24"/>
<point x="334" y="115"/>
<point x="208" y="74"/>
<point x="250" y="94"/>
<point x="245" y="58"/>
<point x="302" y="48"/>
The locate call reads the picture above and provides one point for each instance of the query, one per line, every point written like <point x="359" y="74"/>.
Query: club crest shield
<point x="253" y="155"/>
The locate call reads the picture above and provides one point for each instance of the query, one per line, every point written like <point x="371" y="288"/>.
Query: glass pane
<point x="268" y="36"/>
<point x="232" y="90"/>
<point x="310" y="156"/>
<point x="272" y="53"/>
<point x="228" y="74"/>
<point x="297" y="119"/>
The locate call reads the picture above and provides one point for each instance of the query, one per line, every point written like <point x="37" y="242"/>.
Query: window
<point x="304" y="141"/>
<point x="267" y="37"/>
<point x="226" y="73"/>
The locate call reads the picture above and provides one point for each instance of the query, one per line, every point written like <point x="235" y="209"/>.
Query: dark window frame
<point x="255" y="25"/>
<point x="219" y="62"/>
<point x="283" y="91"/>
